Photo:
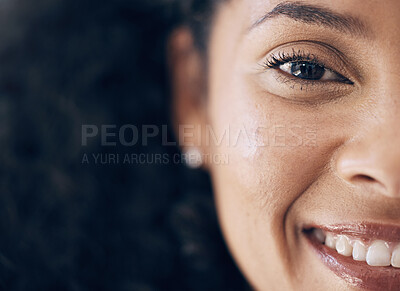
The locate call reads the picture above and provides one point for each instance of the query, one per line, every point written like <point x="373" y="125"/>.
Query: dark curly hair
<point x="68" y="225"/>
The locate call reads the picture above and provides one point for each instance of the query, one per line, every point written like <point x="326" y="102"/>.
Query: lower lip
<point x="357" y="274"/>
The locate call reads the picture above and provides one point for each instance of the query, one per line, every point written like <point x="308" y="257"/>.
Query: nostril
<point x="372" y="163"/>
<point x="365" y="178"/>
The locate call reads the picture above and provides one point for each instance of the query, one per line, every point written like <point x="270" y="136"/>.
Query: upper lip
<point x="364" y="230"/>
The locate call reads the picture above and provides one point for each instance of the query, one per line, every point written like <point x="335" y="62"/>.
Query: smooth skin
<point x="320" y="152"/>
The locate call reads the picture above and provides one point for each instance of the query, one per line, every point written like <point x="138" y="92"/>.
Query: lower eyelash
<point x="292" y="83"/>
<point x="281" y="58"/>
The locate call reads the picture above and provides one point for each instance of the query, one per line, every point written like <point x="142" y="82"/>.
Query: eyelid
<point x="305" y="91"/>
<point x="282" y="57"/>
<point x="319" y="53"/>
<point x="276" y="62"/>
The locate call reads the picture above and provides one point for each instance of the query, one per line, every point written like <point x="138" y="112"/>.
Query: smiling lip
<point x="356" y="273"/>
<point x="366" y="231"/>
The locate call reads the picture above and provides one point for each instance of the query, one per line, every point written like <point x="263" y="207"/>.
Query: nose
<point x="373" y="162"/>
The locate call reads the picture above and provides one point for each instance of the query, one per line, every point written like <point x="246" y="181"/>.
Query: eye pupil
<point x="306" y="70"/>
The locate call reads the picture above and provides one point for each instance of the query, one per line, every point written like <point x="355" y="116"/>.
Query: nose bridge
<point x="371" y="156"/>
<point x="385" y="110"/>
<point x="386" y="158"/>
<point x="382" y="145"/>
<point x="387" y="85"/>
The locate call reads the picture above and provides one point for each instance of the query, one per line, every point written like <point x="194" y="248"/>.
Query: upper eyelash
<point x="281" y="58"/>
<point x="275" y="60"/>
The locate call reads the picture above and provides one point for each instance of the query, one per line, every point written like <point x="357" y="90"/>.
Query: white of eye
<point x="286" y="67"/>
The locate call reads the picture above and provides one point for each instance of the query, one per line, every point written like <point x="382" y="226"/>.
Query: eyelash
<point x="274" y="61"/>
<point x="281" y="58"/>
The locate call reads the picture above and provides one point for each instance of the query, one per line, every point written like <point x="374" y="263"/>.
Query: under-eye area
<point x="312" y="72"/>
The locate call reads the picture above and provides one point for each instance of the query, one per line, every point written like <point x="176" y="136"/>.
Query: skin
<point x="323" y="153"/>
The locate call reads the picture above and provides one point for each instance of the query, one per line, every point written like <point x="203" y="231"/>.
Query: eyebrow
<point x="310" y="14"/>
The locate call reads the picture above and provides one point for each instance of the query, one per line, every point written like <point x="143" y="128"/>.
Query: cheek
<point x="275" y="152"/>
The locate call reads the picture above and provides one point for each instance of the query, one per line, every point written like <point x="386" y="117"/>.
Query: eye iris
<point x="305" y="70"/>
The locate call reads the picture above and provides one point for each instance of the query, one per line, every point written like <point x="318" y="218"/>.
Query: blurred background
<point x="71" y="224"/>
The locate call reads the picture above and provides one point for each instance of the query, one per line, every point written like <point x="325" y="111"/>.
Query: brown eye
<point x="305" y="70"/>
<point x="311" y="71"/>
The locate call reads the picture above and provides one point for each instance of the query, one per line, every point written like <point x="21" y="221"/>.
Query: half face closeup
<point x="310" y="198"/>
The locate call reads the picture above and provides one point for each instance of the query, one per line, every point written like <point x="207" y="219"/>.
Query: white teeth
<point x="319" y="234"/>
<point x="343" y="246"/>
<point x="330" y="241"/>
<point x="396" y="257"/>
<point x="378" y="254"/>
<point x="359" y="251"/>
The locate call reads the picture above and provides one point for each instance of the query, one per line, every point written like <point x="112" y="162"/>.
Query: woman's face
<point x="304" y="100"/>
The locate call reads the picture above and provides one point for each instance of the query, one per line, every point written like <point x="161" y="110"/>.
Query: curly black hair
<point x="68" y="225"/>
